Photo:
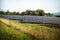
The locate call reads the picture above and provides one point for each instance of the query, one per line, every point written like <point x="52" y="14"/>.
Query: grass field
<point x="47" y="31"/>
<point x="9" y="33"/>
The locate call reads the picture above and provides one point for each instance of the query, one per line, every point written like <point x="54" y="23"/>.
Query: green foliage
<point x="2" y="12"/>
<point x="27" y="12"/>
<point x="9" y="33"/>
<point x="9" y="13"/>
<point x="49" y="14"/>
<point x="23" y="13"/>
<point x="17" y="13"/>
<point x="40" y="12"/>
<point x="48" y="31"/>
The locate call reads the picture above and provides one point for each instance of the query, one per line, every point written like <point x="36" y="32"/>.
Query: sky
<point x="22" y="5"/>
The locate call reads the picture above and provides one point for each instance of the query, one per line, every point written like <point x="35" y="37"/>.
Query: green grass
<point x="8" y="33"/>
<point x="49" y="31"/>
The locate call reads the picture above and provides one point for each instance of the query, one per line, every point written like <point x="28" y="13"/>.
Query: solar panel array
<point x="42" y="19"/>
<point x="34" y="19"/>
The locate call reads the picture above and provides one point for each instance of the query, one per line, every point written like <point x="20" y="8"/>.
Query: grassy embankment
<point x="47" y="32"/>
<point x="9" y="33"/>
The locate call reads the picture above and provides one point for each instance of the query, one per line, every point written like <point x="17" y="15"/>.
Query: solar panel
<point x="34" y="19"/>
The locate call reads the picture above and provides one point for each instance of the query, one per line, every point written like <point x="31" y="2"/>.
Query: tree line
<point x="27" y="12"/>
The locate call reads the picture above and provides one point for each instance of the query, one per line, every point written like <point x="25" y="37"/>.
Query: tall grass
<point x="9" y="33"/>
<point x="47" y="32"/>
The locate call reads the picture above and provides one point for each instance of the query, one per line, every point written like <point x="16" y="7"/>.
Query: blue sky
<point x="22" y="5"/>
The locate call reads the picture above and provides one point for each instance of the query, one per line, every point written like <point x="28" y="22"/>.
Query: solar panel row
<point x="34" y="19"/>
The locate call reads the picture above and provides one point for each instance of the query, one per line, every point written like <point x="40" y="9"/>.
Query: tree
<point x="49" y="14"/>
<point x="7" y="12"/>
<point x="17" y="13"/>
<point x="40" y="12"/>
<point x="23" y="13"/>
<point x="32" y="12"/>
<point x="14" y="13"/>
<point x="27" y="12"/>
<point x="2" y="12"/>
